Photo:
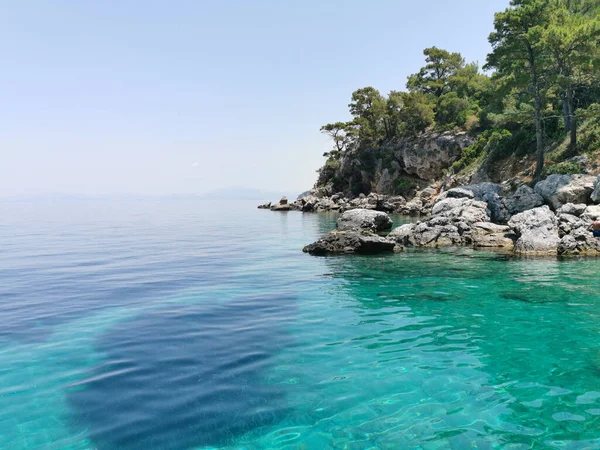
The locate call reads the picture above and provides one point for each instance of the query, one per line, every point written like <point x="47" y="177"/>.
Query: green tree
<point x="440" y="67"/>
<point x="343" y="135"/>
<point x="416" y="115"/>
<point x="520" y="60"/>
<point x="454" y="86"/>
<point x="572" y="40"/>
<point x="368" y="107"/>
<point x="408" y="114"/>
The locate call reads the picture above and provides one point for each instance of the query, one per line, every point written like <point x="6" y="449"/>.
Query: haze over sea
<point x="186" y="324"/>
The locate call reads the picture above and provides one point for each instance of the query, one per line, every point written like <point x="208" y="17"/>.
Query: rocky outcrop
<point x="265" y="206"/>
<point x="400" y="167"/>
<point x="557" y="190"/>
<point x="350" y="242"/>
<point x="427" y="156"/>
<point x="573" y="228"/>
<point x="356" y="233"/>
<point x="537" y="231"/>
<point x="339" y="203"/>
<point x="452" y="223"/>
<point x="490" y="193"/>
<point x="364" y="219"/>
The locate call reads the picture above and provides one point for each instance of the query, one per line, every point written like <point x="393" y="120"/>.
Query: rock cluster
<point x="466" y="222"/>
<point x="419" y="206"/>
<point x="356" y="233"/>
<point x="455" y="221"/>
<point x="553" y="218"/>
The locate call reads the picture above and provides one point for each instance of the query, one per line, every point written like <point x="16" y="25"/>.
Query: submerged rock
<point x="348" y="242"/>
<point x="364" y="219"/>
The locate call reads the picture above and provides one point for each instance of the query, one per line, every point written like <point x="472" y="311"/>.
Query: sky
<point x="188" y="96"/>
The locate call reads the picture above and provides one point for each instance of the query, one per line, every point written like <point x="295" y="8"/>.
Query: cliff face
<point x="398" y="167"/>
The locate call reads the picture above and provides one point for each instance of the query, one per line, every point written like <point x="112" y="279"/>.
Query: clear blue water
<point x="188" y="324"/>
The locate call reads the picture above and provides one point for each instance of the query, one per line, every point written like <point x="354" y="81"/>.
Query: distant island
<point x="240" y="193"/>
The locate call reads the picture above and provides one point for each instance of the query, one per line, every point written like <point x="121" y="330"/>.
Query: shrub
<point x="333" y="164"/>
<point x="404" y="185"/>
<point x="563" y="168"/>
<point x="491" y="142"/>
<point x="472" y="123"/>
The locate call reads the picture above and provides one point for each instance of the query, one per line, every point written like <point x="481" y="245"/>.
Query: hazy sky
<point x="162" y="97"/>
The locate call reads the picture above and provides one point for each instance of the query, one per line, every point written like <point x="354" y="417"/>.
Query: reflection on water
<point x="183" y="324"/>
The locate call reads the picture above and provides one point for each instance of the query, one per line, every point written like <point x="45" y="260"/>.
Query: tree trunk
<point x="572" y="121"/>
<point x="539" y="162"/>
<point x="535" y="87"/>
<point x="565" y="111"/>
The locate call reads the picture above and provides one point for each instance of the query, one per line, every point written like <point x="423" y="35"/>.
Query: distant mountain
<point x="239" y="193"/>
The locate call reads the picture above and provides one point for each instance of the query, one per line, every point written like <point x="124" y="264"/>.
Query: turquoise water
<point x="186" y="324"/>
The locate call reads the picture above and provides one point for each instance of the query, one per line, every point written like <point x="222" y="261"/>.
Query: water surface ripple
<point x="176" y="324"/>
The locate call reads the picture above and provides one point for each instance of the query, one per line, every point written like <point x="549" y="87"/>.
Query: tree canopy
<point x="542" y="79"/>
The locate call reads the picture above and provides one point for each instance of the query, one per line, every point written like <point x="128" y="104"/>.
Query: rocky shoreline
<point x="552" y="218"/>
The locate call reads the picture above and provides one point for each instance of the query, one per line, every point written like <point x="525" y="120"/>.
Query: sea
<point x="193" y="324"/>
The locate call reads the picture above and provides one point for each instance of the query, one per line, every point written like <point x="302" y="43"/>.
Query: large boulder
<point x="491" y="235"/>
<point x="572" y="209"/>
<point x="489" y="193"/>
<point x="462" y="209"/>
<point x="349" y="242"/>
<point x="595" y="196"/>
<point x="557" y="190"/>
<point x="523" y="199"/>
<point x="591" y="213"/>
<point x="401" y="233"/>
<point x="364" y="219"/>
<point x="460" y="192"/>
<point x="537" y="231"/>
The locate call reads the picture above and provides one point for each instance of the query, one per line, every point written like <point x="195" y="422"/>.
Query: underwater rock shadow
<point x="186" y="377"/>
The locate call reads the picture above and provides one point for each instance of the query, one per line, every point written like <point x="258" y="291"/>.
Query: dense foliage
<point x="542" y="87"/>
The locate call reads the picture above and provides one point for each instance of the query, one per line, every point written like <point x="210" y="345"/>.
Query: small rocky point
<point x="552" y="218"/>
